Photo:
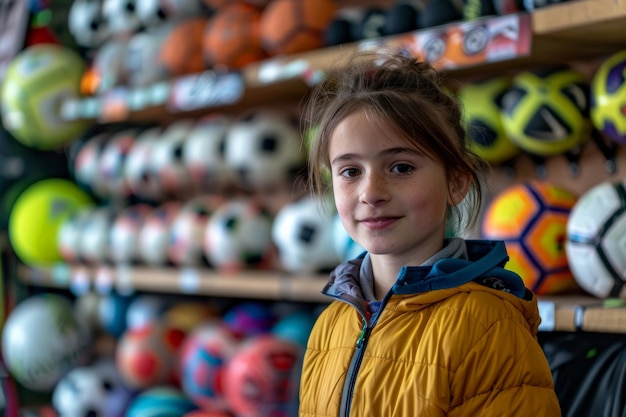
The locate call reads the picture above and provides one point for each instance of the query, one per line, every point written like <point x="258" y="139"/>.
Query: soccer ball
<point x="121" y="17"/>
<point x="181" y="51"/>
<point x="154" y="343"/>
<point x="203" y="154"/>
<point x="204" y="356"/>
<point x="68" y="238"/>
<point x="608" y="97"/>
<point x="124" y="233"/>
<point x="94" y="235"/>
<point x="238" y="236"/>
<point x="85" y="391"/>
<point x="140" y="65"/>
<point x="596" y="240"/>
<point x="483" y="108"/>
<point x="86" y="164"/>
<point x="546" y="113"/>
<point x="141" y="179"/>
<point x="292" y="26"/>
<point x="261" y="379"/>
<point x="86" y="24"/>
<point x="231" y="38"/>
<point x="154" y="236"/>
<point x="187" y="231"/>
<point x="167" y="160"/>
<point x="153" y="13"/>
<point x="36" y="83"/>
<point x="531" y="219"/>
<point x="112" y="161"/>
<point x="264" y="150"/>
<point x="304" y="235"/>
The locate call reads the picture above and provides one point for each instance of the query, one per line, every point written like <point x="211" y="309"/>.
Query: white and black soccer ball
<point x="154" y="236"/>
<point x="142" y="54"/>
<point x="112" y="162"/>
<point x="86" y="164"/>
<point x="86" y="390"/>
<point x="86" y="23"/>
<point x="153" y="13"/>
<point x="303" y="232"/>
<point x="94" y="235"/>
<point x="203" y="154"/>
<point x="167" y="160"/>
<point x="124" y="233"/>
<point x="109" y="64"/>
<point x="238" y="236"/>
<point x="187" y="232"/>
<point x="69" y="235"/>
<point x="264" y="150"/>
<point x="141" y="179"/>
<point x="121" y="17"/>
<point x="596" y="240"/>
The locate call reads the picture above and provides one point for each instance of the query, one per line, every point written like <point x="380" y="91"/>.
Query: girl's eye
<point x="402" y="168"/>
<point x="349" y="172"/>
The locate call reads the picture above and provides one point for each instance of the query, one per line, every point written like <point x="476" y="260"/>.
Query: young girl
<point x="421" y="325"/>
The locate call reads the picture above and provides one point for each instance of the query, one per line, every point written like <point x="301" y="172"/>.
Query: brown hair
<point x="404" y="94"/>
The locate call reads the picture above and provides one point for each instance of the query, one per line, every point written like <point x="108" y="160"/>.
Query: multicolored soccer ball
<point x="546" y="113"/>
<point x="608" y="97"/>
<point x="531" y="219"/>
<point x="204" y="357"/>
<point x="482" y="116"/>
<point x="596" y="243"/>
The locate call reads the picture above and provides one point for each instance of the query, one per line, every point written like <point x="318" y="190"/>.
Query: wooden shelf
<point x="575" y="30"/>
<point x="270" y="285"/>
<point x="562" y="313"/>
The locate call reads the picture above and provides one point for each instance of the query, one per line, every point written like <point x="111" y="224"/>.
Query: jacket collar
<point x="484" y="265"/>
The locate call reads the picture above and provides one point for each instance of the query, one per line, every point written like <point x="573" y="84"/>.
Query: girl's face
<point x="391" y="198"/>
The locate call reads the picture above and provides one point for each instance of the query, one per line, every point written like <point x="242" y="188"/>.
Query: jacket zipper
<point x="353" y="369"/>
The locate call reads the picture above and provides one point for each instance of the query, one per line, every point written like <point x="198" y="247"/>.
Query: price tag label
<point x="60" y="274"/>
<point x="104" y="280"/>
<point x="79" y="284"/>
<point x="547" y="314"/>
<point x="115" y="105"/>
<point x="124" y="280"/>
<point x="189" y="280"/>
<point x="206" y="89"/>
<point x="138" y="98"/>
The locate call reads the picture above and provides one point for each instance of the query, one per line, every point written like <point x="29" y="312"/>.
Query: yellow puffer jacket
<point x="455" y="339"/>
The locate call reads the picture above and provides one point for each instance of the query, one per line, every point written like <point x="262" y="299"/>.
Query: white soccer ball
<point x="94" y="235"/>
<point x="86" y="165"/>
<point x="86" y="24"/>
<point x="238" y="236"/>
<point x="112" y="162"/>
<point x="153" y="13"/>
<point x="154" y="237"/>
<point x="68" y="236"/>
<point x="86" y="390"/>
<point x="596" y="240"/>
<point x="167" y="160"/>
<point x="203" y="154"/>
<point x="304" y="235"/>
<point x="264" y="150"/>
<point x="142" y="55"/>
<point x="142" y="181"/>
<point x="187" y="232"/>
<point x="124" y="234"/>
<point x="121" y="17"/>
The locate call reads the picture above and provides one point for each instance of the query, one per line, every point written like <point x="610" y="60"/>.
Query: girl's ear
<point x="458" y="187"/>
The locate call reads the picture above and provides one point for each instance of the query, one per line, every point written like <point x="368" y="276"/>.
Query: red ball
<point x="292" y="26"/>
<point x="262" y="378"/>
<point x="232" y="39"/>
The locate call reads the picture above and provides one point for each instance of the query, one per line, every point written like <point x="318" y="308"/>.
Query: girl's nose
<point x="374" y="189"/>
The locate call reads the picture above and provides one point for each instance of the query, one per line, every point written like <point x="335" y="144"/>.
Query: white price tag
<point x="189" y="280"/>
<point x="104" y="280"/>
<point x="206" y="89"/>
<point x="547" y="313"/>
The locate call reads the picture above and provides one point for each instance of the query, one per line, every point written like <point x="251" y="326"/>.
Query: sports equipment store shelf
<point x="558" y="313"/>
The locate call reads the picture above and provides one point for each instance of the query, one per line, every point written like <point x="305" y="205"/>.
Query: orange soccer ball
<point x="292" y="26"/>
<point x="231" y="38"/>
<point x="181" y="51"/>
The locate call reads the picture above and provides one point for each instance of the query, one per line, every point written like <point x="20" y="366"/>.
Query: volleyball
<point x="36" y="84"/>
